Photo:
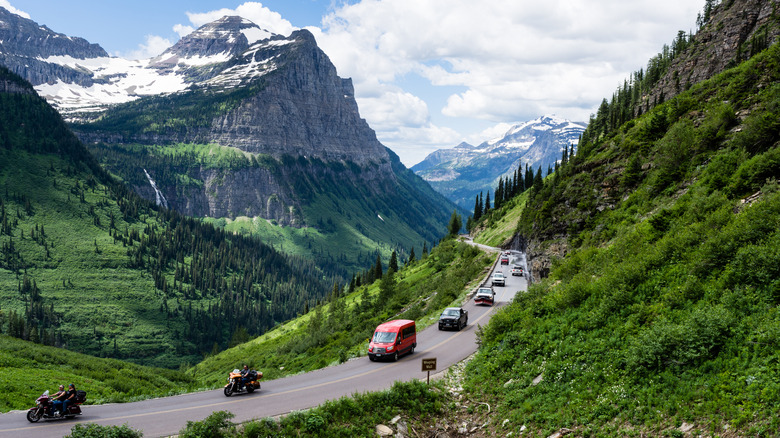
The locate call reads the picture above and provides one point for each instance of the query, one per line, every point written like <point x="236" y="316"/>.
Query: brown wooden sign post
<point x="429" y="365"/>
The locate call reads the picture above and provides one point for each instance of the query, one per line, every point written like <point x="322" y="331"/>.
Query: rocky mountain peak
<point x="24" y="37"/>
<point x="223" y="38"/>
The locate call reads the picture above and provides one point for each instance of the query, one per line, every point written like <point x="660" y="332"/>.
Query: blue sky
<point x="428" y="74"/>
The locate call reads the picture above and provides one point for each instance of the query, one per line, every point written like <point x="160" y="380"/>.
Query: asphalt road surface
<point x="166" y="416"/>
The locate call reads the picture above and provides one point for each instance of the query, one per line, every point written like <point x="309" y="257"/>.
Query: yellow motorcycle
<point x="235" y="385"/>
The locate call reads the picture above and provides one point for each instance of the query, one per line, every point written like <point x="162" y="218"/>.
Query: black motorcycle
<point x="44" y="408"/>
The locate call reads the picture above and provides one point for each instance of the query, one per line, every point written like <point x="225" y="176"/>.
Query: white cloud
<point x="154" y="46"/>
<point x="253" y="11"/>
<point x="7" y="5"/>
<point x="513" y="60"/>
<point x="183" y="30"/>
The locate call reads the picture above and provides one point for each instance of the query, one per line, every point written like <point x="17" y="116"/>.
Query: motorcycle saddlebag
<point x="81" y="396"/>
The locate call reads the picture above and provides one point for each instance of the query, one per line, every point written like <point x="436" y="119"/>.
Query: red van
<point x="393" y="339"/>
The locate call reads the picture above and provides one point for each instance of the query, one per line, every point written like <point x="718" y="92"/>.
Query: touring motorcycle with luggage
<point x="44" y="408"/>
<point x="235" y="386"/>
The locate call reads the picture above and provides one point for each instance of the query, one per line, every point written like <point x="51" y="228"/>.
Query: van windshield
<point x="384" y="337"/>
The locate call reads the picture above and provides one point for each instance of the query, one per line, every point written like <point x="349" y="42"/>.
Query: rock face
<point x="464" y="171"/>
<point x="305" y="109"/>
<point x="735" y="30"/>
<point x="25" y="43"/>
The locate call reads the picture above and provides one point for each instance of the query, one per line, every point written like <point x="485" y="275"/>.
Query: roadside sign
<point x="429" y="365"/>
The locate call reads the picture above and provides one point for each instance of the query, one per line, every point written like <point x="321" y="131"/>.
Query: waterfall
<point x="159" y="198"/>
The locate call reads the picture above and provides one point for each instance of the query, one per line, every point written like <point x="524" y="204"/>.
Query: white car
<point x="498" y="279"/>
<point x="485" y="295"/>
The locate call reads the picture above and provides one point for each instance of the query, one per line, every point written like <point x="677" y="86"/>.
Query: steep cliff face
<point x="304" y="109"/>
<point x="737" y="30"/>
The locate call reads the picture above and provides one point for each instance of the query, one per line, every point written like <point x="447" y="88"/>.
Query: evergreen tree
<point x="378" y="268"/>
<point x="538" y="182"/>
<point x="455" y="223"/>
<point x="393" y="262"/>
<point x="487" y="202"/>
<point x="387" y="287"/>
<point x="477" y="208"/>
<point x="411" y="257"/>
<point x="499" y="193"/>
<point x="529" y="177"/>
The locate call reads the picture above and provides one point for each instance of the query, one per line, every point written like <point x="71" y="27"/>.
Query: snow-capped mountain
<point x="462" y="172"/>
<point x="76" y="76"/>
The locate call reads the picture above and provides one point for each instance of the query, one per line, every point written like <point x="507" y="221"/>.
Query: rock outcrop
<point x="736" y="29"/>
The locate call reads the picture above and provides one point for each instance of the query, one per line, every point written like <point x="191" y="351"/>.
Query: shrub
<point x="216" y="425"/>
<point x="92" y="430"/>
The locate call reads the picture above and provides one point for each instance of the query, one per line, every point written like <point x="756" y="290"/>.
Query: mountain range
<point x="463" y="172"/>
<point x="253" y="130"/>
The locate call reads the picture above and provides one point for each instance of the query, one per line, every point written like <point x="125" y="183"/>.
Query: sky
<point x="428" y="74"/>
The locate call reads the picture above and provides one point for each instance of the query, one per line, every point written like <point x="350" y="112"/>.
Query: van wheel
<point x="371" y="358"/>
<point x="395" y="356"/>
<point x="411" y="350"/>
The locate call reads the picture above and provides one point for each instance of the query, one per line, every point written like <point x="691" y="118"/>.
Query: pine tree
<point x="538" y="182"/>
<point x="529" y="177"/>
<point x="455" y="223"/>
<point x="499" y="193"/>
<point x="378" y="268"/>
<point x="411" y="257"/>
<point x="393" y="262"/>
<point x="477" y="208"/>
<point x="487" y="202"/>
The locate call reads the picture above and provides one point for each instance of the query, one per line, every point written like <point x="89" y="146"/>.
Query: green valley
<point x="79" y="250"/>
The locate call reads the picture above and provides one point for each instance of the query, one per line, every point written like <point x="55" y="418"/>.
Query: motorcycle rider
<point x="58" y="397"/>
<point x="70" y="398"/>
<point x="244" y="376"/>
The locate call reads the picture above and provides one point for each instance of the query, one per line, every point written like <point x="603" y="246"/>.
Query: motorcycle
<point x="234" y="385"/>
<point x="44" y="408"/>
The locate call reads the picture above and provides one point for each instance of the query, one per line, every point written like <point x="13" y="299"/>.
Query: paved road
<point x="166" y="416"/>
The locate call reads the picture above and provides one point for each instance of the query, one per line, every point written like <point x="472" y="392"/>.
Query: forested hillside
<point x="658" y="249"/>
<point x="88" y="265"/>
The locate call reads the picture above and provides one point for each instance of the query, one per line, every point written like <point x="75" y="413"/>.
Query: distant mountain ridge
<point x="462" y="172"/>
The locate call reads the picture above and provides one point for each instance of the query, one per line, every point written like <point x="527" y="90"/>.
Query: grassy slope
<point x="28" y="369"/>
<point x="87" y="289"/>
<point x="452" y="269"/>
<point x="501" y="225"/>
<point x="666" y="310"/>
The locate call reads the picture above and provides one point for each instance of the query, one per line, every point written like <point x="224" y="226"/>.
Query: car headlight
<point x="389" y="348"/>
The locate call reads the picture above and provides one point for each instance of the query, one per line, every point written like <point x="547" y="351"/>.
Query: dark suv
<point x="453" y="317"/>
